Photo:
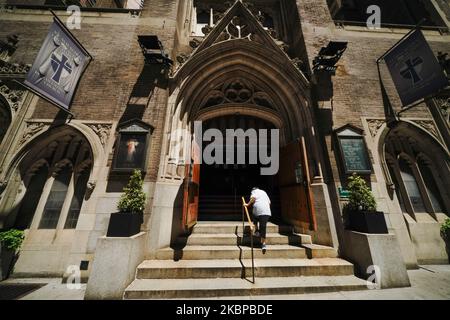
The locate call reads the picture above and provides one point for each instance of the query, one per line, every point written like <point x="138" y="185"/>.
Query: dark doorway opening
<point x="222" y="186"/>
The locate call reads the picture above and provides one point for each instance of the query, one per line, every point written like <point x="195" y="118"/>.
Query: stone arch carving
<point x="5" y="119"/>
<point x="56" y="148"/>
<point x="411" y="143"/>
<point x="12" y="97"/>
<point x="235" y="91"/>
<point x="217" y="75"/>
<point x="243" y="68"/>
<point x="36" y="131"/>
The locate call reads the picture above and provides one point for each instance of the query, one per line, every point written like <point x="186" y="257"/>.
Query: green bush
<point x="12" y="239"/>
<point x="360" y="195"/>
<point x="445" y="229"/>
<point x="133" y="200"/>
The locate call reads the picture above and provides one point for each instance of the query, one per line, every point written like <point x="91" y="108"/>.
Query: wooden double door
<point x="293" y="185"/>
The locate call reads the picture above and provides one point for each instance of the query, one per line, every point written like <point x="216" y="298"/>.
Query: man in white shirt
<point x="261" y="213"/>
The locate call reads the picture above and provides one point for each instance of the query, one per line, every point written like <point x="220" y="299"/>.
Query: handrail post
<point x="251" y="235"/>
<point x="243" y="225"/>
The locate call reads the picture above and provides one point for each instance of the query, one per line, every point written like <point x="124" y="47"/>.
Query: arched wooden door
<point x="192" y="187"/>
<point x="295" y="186"/>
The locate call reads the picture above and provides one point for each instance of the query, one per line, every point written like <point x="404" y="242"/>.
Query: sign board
<point x="415" y="70"/>
<point x="58" y="67"/>
<point x="353" y="151"/>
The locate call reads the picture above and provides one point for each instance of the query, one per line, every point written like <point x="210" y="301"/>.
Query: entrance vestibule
<point x="222" y="185"/>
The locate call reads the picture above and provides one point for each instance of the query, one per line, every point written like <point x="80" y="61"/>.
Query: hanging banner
<point x="415" y="70"/>
<point x="58" y="67"/>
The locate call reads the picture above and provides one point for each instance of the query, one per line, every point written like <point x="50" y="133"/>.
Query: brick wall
<point x="356" y="90"/>
<point x="117" y="72"/>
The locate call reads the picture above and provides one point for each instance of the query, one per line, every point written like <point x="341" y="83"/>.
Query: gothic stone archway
<point x="250" y="74"/>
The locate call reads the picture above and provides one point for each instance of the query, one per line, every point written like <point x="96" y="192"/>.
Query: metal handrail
<point x="252" y="229"/>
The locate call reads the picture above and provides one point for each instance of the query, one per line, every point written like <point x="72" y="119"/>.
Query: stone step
<point x="214" y="228"/>
<point x="230" y="252"/>
<point x="314" y="251"/>
<point x="235" y="268"/>
<point x="233" y="239"/>
<point x="208" y="288"/>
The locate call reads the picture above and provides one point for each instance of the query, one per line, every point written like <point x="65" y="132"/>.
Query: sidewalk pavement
<point x="428" y="282"/>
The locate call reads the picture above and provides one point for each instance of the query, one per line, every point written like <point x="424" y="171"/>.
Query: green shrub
<point x="445" y="229"/>
<point x="133" y="200"/>
<point x="12" y="239"/>
<point x="360" y="195"/>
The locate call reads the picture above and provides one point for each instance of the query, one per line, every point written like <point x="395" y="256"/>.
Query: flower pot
<point x="367" y="222"/>
<point x="6" y="260"/>
<point x="124" y="224"/>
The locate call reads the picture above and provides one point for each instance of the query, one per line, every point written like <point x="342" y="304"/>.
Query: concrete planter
<point x="446" y="237"/>
<point x="114" y="266"/>
<point x="367" y="222"/>
<point x="6" y="262"/>
<point x="380" y="252"/>
<point x="124" y="224"/>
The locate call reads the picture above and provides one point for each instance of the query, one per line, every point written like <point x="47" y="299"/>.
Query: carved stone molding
<point x="429" y="127"/>
<point x="102" y="130"/>
<point x="13" y="97"/>
<point x="194" y="43"/>
<point x="182" y="58"/>
<point x="3" y="185"/>
<point x="91" y="185"/>
<point x="14" y="69"/>
<point x="8" y="46"/>
<point x="237" y="91"/>
<point x="31" y="130"/>
<point x="444" y="106"/>
<point x="375" y="126"/>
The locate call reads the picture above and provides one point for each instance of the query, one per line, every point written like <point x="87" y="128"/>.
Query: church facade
<point x="236" y="65"/>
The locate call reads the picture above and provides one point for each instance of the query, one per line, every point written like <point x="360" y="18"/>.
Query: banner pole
<point x="72" y="115"/>
<point x="70" y="33"/>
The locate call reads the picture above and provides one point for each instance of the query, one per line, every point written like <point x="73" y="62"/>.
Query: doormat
<point x="13" y="291"/>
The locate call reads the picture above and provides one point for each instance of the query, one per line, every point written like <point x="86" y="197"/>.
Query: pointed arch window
<point x="56" y="199"/>
<point x="431" y="187"/>
<point x="32" y="196"/>
<point x="421" y="185"/>
<point x="391" y="168"/>
<point x="55" y="174"/>
<point x="411" y="185"/>
<point x="77" y="200"/>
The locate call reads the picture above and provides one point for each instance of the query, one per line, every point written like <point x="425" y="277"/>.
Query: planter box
<point x="124" y="224"/>
<point x="367" y="222"/>
<point x="6" y="260"/>
<point x="446" y="237"/>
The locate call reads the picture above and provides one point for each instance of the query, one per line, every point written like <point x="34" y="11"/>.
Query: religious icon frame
<point x="139" y="133"/>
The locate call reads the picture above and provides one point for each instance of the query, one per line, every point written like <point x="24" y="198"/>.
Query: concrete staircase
<point x="212" y="262"/>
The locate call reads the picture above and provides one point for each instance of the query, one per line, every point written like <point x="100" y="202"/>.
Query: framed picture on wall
<point x="132" y="146"/>
<point x="353" y="151"/>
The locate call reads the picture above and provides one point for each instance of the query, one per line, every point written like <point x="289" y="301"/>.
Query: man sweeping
<point x="261" y="213"/>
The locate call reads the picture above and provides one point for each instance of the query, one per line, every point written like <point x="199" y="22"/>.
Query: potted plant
<point x="127" y="222"/>
<point x="10" y="243"/>
<point x="361" y="208"/>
